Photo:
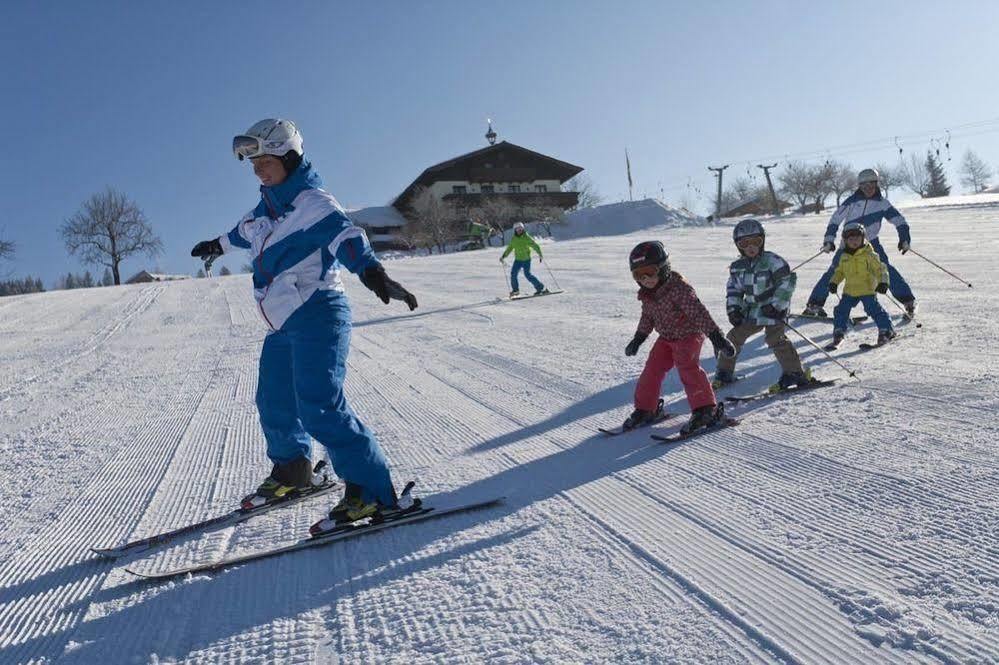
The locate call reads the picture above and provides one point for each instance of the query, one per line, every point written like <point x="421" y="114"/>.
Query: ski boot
<point x="723" y="377"/>
<point x="838" y="337"/>
<point x="353" y="508"/>
<point x="542" y="291"/>
<point x="641" y="417"/>
<point x="702" y="417"/>
<point x="885" y="336"/>
<point x="815" y="309"/>
<point x="285" y="479"/>
<point x="910" y="309"/>
<point x="790" y="380"/>
<point x="514" y="294"/>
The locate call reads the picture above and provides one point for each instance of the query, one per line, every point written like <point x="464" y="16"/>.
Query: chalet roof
<point x="554" y="168"/>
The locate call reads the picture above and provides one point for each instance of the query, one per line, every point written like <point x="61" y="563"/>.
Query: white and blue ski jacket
<point x="869" y="212"/>
<point x="299" y="236"/>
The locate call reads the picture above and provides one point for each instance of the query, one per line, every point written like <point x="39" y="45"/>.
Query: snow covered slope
<point x="854" y="524"/>
<point x="626" y="217"/>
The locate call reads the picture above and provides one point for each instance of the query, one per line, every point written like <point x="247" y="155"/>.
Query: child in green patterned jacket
<point x="759" y="289"/>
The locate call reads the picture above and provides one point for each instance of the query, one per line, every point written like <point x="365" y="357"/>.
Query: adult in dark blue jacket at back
<point x="300" y="237"/>
<point x="868" y="206"/>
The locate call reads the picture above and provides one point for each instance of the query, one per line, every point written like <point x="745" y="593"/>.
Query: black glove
<point x="735" y="317"/>
<point x="635" y="342"/>
<point x="385" y="287"/>
<point x="903" y="246"/>
<point x="833" y="286"/>
<point x="207" y="248"/>
<point x="828" y="247"/>
<point x="882" y="288"/>
<point x="722" y="345"/>
<point x="772" y="312"/>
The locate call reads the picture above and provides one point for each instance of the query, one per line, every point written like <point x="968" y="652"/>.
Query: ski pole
<point x="819" y="348"/>
<point x="821" y="252"/>
<point x="505" y="276"/>
<point x="555" y="281"/>
<point x="905" y="312"/>
<point x="940" y="266"/>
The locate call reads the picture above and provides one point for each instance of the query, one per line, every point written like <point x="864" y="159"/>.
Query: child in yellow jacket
<point x="864" y="275"/>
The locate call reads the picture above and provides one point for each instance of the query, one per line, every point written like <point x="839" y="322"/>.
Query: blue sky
<point x="145" y="97"/>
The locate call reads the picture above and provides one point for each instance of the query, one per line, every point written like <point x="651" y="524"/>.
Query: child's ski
<point x="221" y="521"/>
<point x="615" y="431"/>
<point x="765" y="395"/>
<point x="721" y="424"/>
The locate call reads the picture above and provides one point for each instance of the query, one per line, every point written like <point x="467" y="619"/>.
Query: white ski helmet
<point x="748" y="228"/>
<point x="519" y="226"/>
<point x="272" y="136"/>
<point x="868" y="175"/>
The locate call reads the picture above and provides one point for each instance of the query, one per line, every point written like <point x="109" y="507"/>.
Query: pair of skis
<point x="725" y="421"/>
<point x="415" y="511"/>
<point x="528" y="296"/>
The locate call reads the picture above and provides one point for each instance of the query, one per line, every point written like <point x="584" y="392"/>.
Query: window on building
<point x="513" y="188"/>
<point x="541" y="188"/>
<point x="459" y="189"/>
<point x="487" y="189"/>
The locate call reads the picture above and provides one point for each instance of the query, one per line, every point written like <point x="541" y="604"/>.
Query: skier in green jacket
<point x="521" y="244"/>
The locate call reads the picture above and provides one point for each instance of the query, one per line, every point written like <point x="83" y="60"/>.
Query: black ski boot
<point x="838" y="337"/>
<point x="705" y="416"/>
<point x="514" y="294"/>
<point x="723" y="377"/>
<point x="641" y="417"/>
<point x="790" y="380"/>
<point x="284" y="479"/>
<point x="815" y="309"/>
<point x="542" y="291"/>
<point x="885" y="336"/>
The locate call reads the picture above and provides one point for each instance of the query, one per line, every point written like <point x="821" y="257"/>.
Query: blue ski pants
<point x="300" y="396"/>
<point x="896" y="283"/>
<point x="841" y="315"/>
<point x="526" y="267"/>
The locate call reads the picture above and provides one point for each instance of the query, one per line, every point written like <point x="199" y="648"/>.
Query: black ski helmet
<point x="854" y="227"/>
<point x="650" y="253"/>
<point x="748" y="228"/>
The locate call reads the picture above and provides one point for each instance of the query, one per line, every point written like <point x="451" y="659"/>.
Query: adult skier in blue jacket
<point x="299" y="237"/>
<point x="867" y="206"/>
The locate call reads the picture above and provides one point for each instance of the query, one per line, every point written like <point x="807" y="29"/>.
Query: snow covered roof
<point x="625" y="217"/>
<point x="377" y="216"/>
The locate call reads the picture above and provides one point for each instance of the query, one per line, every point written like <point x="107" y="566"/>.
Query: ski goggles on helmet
<point x="248" y="147"/>
<point x="854" y="233"/>
<point x="645" y="271"/>
<point x="749" y="241"/>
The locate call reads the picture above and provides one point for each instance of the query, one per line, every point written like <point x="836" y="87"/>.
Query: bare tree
<point x="842" y="181"/>
<point x="890" y="177"/>
<point x="108" y="229"/>
<point x="795" y="182"/>
<point x="438" y="219"/>
<point x="588" y="194"/>
<point x="974" y="172"/>
<point x="500" y="213"/>
<point x="915" y="175"/>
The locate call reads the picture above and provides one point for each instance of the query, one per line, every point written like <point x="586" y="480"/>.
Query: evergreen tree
<point x="108" y="278"/>
<point x="201" y="273"/>
<point x="225" y="271"/>
<point x="87" y="281"/>
<point x="70" y="281"/>
<point x="938" y="179"/>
